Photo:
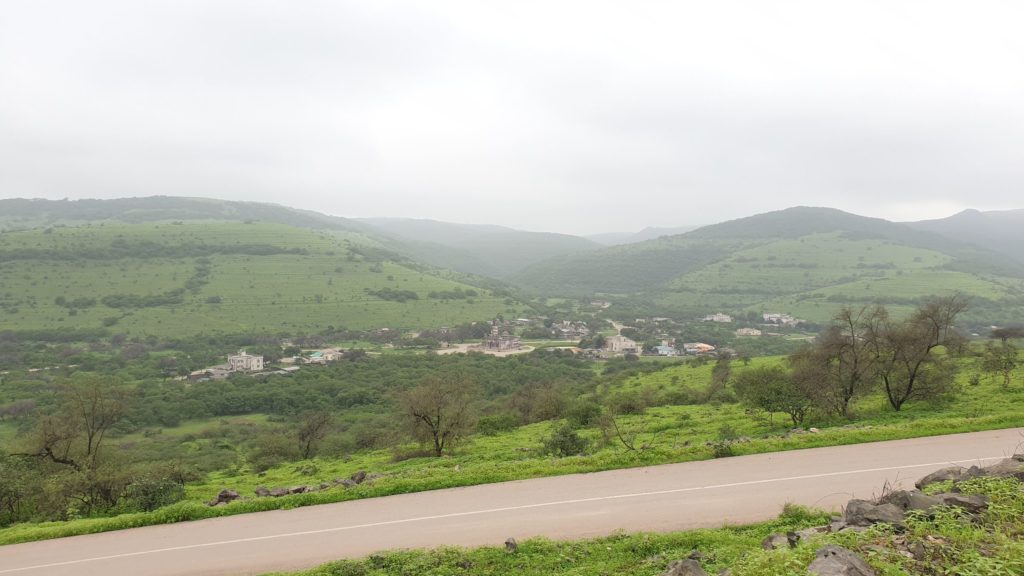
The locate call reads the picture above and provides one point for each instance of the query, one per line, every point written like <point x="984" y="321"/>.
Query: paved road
<point x="659" y="498"/>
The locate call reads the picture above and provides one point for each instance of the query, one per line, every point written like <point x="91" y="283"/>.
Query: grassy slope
<point x="272" y="293"/>
<point x="677" y="434"/>
<point x="804" y="261"/>
<point x="813" y="275"/>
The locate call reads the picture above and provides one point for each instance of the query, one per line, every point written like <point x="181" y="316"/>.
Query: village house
<point x="568" y="330"/>
<point x="748" y="332"/>
<point x="719" y="317"/>
<point x="666" y="350"/>
<point x="780" y="319"/>
<point x="698" y="348"/>
<point x="619" y="344"/>
<point x="243" y="362"/>
<point x="500" y="340"/>
<point x="325" y="356"/>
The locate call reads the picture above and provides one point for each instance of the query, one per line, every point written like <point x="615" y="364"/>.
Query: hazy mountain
<point x="20" y="214"/>
<point x="802" y="260"/>
<point x="494" y="251"/>
<point x="999" y="231"/>
<point x="649" y="233"/>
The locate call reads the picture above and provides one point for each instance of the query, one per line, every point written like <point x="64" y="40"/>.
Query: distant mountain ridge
<point x="998" y="231"/>
<point x="488" y="250"/>
<point x="805" y="260"/>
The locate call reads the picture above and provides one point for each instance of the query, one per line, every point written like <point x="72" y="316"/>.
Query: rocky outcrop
<point x="685" y="567"/>
<point x="1008" y="467"/>
<point x="864" y="513"/>
<point x="837" y="561"/>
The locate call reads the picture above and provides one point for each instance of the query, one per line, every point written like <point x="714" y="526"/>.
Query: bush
<point x="566" y="441"/>
<point x="497" y="423"/>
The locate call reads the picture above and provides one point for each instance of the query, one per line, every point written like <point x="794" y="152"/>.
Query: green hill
<point x="1001" y="232"/>
<point x="181" y="278"/>
<point x="804" y="261"/>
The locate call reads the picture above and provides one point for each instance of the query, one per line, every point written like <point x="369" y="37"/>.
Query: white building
<point x="243" y="362"/>
<point x="619" y="344"/>
<point x="719" y="317"/>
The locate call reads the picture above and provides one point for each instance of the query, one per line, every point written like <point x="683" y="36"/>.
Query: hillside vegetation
<point x="804" y="261"/>
<point x="179" y="278"/>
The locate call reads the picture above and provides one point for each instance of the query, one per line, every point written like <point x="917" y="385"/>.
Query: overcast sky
<point x="575" y="117"/>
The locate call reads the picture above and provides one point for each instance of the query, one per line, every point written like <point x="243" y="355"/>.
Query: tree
<point x="1001" y="358"/>
<point x="840" y="365"/>
<point x="313" y="427"/>
<point x="89" y="406"/>
<point x="440" y="410"/>
<point x="905" y="351"/>
<point x="772" y="389"/>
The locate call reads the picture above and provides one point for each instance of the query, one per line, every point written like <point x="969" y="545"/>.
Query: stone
<point x="324" y="485"/>
<point x="813" y="430"/>
<point x="697" y="555"/>
<point x="358" y="477"/>
<point x="864" y="513"/>
<point x="224" y="496"/>
<point x="298" y="489"/>
<point x="278" y="492"/>
<point x="775" y="541"/>
<point x="1009" y="467"/>
<point x="511" y="546"/>
<point x="837" y="561"/>
<point x="685" y="567"/>
<point x="348" y="483"/>
<point x="908" y="500"/>
<point x="262" y="491"/>
<point x="973" y="504"/>
<point x="954" y="473"/>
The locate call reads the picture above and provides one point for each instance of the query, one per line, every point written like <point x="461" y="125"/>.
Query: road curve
<point x="711" y="493"/>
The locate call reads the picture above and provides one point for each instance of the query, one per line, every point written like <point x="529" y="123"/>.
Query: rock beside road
<point x="837" y="561"/>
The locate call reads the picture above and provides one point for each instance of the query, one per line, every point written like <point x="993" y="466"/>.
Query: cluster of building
<point x="255" y="365"/>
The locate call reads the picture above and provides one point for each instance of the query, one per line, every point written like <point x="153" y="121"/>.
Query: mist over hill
<point x="803" y="260"/>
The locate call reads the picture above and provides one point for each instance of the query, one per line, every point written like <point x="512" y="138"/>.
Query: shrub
<point x="565" y="441"/>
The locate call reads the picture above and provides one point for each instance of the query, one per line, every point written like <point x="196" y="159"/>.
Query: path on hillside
<point x="659" y="498"/>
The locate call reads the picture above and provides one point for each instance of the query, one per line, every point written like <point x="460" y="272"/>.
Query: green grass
<point x="951" y="544"/>
<point x="676" y="433"/>
<point x="814" y="275"/>
<point x="325" y="285"/>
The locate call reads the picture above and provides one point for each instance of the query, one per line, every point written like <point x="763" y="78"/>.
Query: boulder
<point x="262" y="491"/>
<point x="358" y="477"/>
<point x="224" y="496"/>
<point x="511" y="546"/>
<point x="954" y="473"/>
<point x="1009" y="467"/>
<point x="348" y="483"/>
<point x="775" y="541"/>
<point x="973" y="504"/>
<point x="278" y="492"/>
<point x="298" y="489"/>
<point x="908" y="500"/>
<point x="837" y="561"/>
<point x="864" y="513"/>
<point x="685" y="567"/>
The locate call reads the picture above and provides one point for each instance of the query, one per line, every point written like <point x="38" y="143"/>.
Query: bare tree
<point x="90" y="405"/>
<point x="440" y="410"/>
<point x="840" y="366"/>
<point x="905" y="351"/>
<point x="313" y="427"/>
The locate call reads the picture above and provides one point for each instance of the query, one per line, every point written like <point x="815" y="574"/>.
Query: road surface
<point x="659" y="498"/>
